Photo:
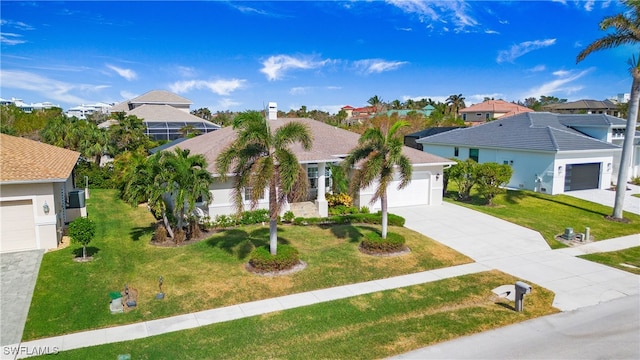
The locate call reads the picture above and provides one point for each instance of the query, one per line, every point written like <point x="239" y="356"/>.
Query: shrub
<point x="365" y="210"/>
<point x="635" y="180"/>
<point x="262" y="261"/>
<point x="392" y="220"/>
<point x="224" y="221"/>
<point x="342" y="209"/>
<point x="339" y="199"/>
<point x="81" y="231"/>
<point x="179" y="236"/>
<point x="374" y="243"/>
<point x="254" y="217"/>
<point x="288" y="216"/>
<point x="160" y="234"/>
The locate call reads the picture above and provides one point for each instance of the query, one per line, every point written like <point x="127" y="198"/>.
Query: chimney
<point x="273" y="111"/>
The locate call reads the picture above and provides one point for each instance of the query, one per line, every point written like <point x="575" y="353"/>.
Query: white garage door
<point x="18" y="226"/>
<point x="416" y="193"/>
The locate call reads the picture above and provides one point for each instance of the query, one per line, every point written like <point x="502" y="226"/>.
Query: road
<point x="609" y="330"/>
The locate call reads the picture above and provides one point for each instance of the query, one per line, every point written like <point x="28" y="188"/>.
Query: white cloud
<point x="225" y="104"/>
<point x="128" y="74"/>
<point x="537" y="68"/>
<point x="11" y="39"/>
<point x="523" y="48"/>
<point x="48" y="88"/>
<point x="186" y="71"/>
<point x="220" y="87"/>
<point x="588" y="5"/>
<point x="491" y="32"/>
<point x="443" y="12"/>
<point x="127" y="95"/>
<point x="276" y="66"/>
<point x="370" y="66"/>
<point x="560" y="85"/>
<point x="16" y="24"/>
<point x="299" y="90"/>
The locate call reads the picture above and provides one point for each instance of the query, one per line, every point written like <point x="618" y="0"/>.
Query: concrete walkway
<point x="608" y="197"/>
<point x="491" y="242"/>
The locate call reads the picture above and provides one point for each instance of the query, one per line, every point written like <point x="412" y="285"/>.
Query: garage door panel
<point x="582" y="176"/>
<point x="18" y="225"/>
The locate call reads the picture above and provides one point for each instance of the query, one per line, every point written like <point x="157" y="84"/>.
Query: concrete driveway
<point x="608" y="197"/>
<point x="18" y="275"/>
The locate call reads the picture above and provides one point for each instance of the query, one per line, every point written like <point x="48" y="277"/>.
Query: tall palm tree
<point x="456" y="102"/>
<point x="261" y="159"/>
<point x="376" y="102"/>
<point x="378" y="153"/>
<point x="626" y="31"/>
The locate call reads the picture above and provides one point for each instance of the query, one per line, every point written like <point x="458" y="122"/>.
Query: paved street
<point x="610" y="330"/>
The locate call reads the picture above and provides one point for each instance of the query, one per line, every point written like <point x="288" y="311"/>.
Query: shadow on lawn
<point x="240" y="243"/>
<point x="137" y="232"/>
<point x="91" y="251"/>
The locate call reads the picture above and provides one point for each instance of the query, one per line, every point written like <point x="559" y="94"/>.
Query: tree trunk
<point x="84" y="252"/>
<point x="273" y="220"/>
<point x="167" y="225"/>
<point x="627" y="146"/>
<point x="383" y="208"/>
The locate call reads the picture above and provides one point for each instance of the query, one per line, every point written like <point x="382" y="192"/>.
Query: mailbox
<point x="521" y="290"/>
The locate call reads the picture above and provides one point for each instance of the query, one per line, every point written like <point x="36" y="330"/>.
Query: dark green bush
<point x="392" y="220"/>
<point x="374" y="243"/>
<point x="342" y="209"/>
<point x="288" y="216"/>
<point x="262" y="261"/>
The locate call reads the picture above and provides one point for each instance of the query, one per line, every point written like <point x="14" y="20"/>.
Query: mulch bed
<point x="299" y="267"/>
<point x="404" y="250"/>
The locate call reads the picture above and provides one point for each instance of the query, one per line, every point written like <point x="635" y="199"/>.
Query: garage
<point x="18" y="225"/>
<point x="582" y="176"/>
<point x="415" y="193"/>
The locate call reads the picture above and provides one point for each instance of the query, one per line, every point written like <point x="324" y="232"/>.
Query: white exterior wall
<point x="46" y="226"/>
<point x="222" y="199"/>
<point x="536" y="171"/>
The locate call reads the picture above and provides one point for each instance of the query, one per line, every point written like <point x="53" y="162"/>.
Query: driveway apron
<point x="18" y="275"/>
<point x="523" y="253"/>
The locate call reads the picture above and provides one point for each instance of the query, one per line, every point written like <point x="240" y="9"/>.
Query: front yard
<point x="551" y="214"/>
<point x="71" y="296"/>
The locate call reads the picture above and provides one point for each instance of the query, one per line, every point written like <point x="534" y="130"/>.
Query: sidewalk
<point x="493" y="243"/>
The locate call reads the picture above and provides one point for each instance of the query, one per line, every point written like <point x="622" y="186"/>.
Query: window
<point x="464" y="117"/>
<point x="247" y="194"/>
<point x="474" y="154"/>
<point x="312" y="174"/>
<point x="486" y="116"/>
<point x="456" y="151"/>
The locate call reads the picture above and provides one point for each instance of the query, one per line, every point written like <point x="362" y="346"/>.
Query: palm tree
<point x="456" y="102"/>
<point x="626" y="31"/>
<point x="378" y="153"/>
<point x="261" y="159"/>
<point x="376" y="102"/>
<point x="186" y="178"/>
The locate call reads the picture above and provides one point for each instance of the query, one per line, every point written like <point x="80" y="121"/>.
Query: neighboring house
<point x="489" y="110"/>
<point x="165" y="114"/>
<point x="330" y="146"/>
<point x="28" y="108"/>
<point x="84" y="110"/>
<point x="549" y="153"/>
<point x="402" y="113"/>
<point x="358" y="115"/>
<point x="36" y="194"/>
<point x="607" y="107"/>
<point x="410" y="139"/>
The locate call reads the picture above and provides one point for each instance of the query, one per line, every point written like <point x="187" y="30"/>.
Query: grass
<point x="551" y="214"/>
<point x="615" y="259"/>
<point x="371" y="326"/>
<point x="71" y="296"/>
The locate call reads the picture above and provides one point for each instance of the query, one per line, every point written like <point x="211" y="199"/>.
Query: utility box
<point x="76" y="199"/>
<point x="521" y="290"/>
<point x="569" y="234"/>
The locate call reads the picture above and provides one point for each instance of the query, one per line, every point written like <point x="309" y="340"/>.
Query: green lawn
<point x="364" y="327"/>
<point x="71" y="296"/>
<point x="629" y="257"/>
<point x="551" y="214"/>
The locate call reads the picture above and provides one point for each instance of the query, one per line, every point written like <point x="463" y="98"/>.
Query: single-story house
<point x="607" y="107"/>
<point x="549" y="153"/>
<point x="330" y="146"/>
<point x="410" y="139"/>
<point x="164" y="114"/>
<point x="403" y="113"/>
<point x="489" y="110"/>
<point x="37" y="196"/>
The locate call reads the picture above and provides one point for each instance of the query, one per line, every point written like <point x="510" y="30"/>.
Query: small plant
<point x="374" y="243"/>
<point x="179" y="236"/>
<point x="160" y="234"/>
<point x="81" y="231"/>
<point x="364" y="210"/>
<point x="254" y="217"/>
<point x="338" y="199"/>
<point x="288" y="216"/>
<point x="224" y="221"/>
<point x="262" y="261"/>
<point x="635" y="180"/>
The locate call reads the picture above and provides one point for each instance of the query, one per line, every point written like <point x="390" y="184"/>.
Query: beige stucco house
<point x="35" y="182"/>
<point x="330" y="146"/>
<point x="488" y="110"/>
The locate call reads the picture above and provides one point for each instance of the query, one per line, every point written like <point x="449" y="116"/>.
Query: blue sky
<point x="228" y="55"/>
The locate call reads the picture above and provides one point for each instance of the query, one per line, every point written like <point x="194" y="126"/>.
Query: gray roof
<point x="329" y="144"/>
<point x="432" y="131"/>
<point x="590" y="120"/>
<point x="163" y="113"/>
<point x="539" y="131"/>
<point x="583" y="104"/>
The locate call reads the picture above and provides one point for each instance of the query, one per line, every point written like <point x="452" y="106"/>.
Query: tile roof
<point x="329" y="144"/>
<point x="496" y="106"/>
<point x="601" y="120"/>
<point x="432" y="131"/>
<point x="160" y="97"/>
<point x="24" y="160"/>
<point x="539" y="131"/>
<point x="583" y="104"/>
<point x="151" y="113"/>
